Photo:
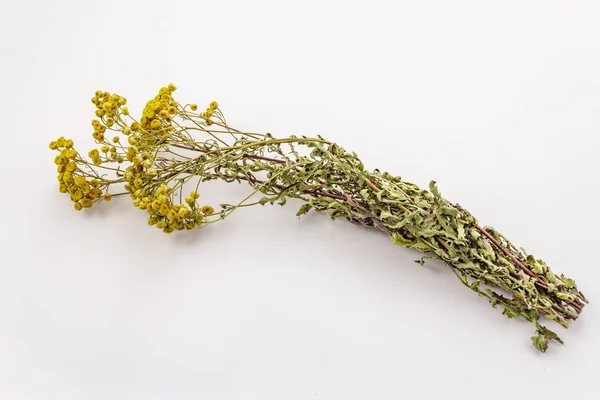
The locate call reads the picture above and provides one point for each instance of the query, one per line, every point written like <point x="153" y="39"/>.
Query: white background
<point x="497" y="101"/>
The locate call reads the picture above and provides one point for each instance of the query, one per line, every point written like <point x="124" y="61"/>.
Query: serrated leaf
<point x="540" y="342"/>
<point x="510" y="313"/>
<point x="304" y="209"/>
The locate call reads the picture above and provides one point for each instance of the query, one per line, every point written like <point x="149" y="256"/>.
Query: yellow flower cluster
<point x="210" y="110"/>
<point x="109" y="108"/>
<point x="168" y="216"/>
<point x="146" y="182"/>
<point x="71" y="178"/>
<point x="156" y="116"/>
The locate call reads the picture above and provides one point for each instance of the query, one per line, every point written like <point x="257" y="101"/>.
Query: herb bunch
<point x="174" y="148"/>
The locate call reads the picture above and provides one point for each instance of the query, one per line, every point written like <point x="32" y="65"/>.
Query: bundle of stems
<point x="174" y="147"/>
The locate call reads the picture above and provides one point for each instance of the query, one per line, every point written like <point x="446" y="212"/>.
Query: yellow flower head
<point x="194" y="107"/>
<point x="172" y="214"/>
<point x="207" y="210"/>
<point x="164" y="209"/>
<point x="155" y="124"/>
<point x="80" y="180"/>
<point x="77" y="206"/>
<point x="214" y="105"/>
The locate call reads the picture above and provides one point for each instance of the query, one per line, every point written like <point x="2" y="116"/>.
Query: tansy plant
<point x="174" y="148"/>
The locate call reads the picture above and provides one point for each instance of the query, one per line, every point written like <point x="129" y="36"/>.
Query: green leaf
<point x="400" y="240"/>
<point x="540" y="342"/>
<point x="510" y="313"/>
<point x="434" y="190"/>
<point x="537" y="269"/>
<point x="461" y="231"/>
<point x="304" y="209"/>
<point x="564" y="296"/>
<point x="568" y="282"/>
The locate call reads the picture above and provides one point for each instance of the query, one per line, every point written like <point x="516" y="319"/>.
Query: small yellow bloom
<point x="164" y="209"/>
<point x="110" y="122"/>
<point x="100" y="113"/>
<point x="71" y="166"/>
<point x="134" y="126"/>
<point x="163" y="114"/>
<point x="172" y="214"/>
<point x="77" y="206"/>
<point x="193" y="107"/>
<point x="93" y="153"/>
<point x="116" y="139"/>
<point x="184" y="212"/>
<point x="172" y="87"/>
<point x="107" y="196"/>
<point x="78" y="195"/>
<point x="68" y="143"/>
<point x="80" y="180"/>
<point x="214" y="105"/>
<point x="62" y="188"/>
<point x="53" y="146"/>
<point x="172" y="110"/>
<point x="105" y="149"/>
<point x="195" y="195"/>
<point x="207" y="210"/>
<point x="155" y="124"/>
<point x="86" y="203"/>
<point x="125" y="111"/>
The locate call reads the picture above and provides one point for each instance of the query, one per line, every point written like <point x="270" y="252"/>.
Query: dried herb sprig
<point x="174" y="146"/>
